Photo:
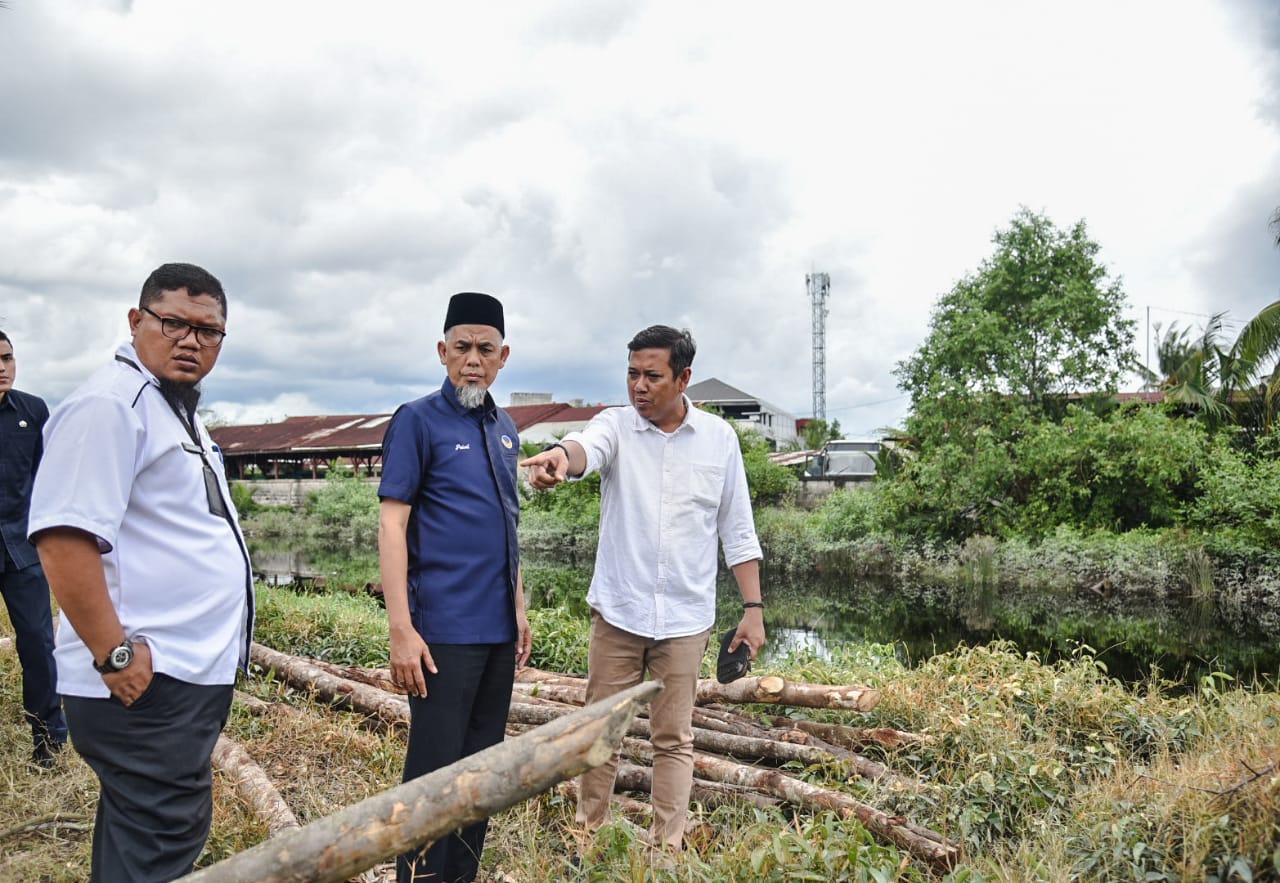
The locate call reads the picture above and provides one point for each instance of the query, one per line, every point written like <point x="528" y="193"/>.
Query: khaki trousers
<point x="617" y="660"/>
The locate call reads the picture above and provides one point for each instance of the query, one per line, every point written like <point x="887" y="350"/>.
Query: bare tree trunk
<point x="301" y="673"/>
<point x="373" y="677"/>
<point x="852" y="738"/>
<point x="769" y="689"/>
<point x="809" y="751"/>
<point x="633" y="777"/>
<point x="424" y="809"/>
<point x="920" y="842"/>
<point x="255" y="786"/>
<point x="776" y="690"/>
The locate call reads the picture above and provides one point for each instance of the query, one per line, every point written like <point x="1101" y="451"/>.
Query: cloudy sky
<point x="605" y="165"/>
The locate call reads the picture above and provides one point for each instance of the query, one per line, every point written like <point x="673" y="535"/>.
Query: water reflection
<point x="1185" y="638"/>
<point x="784" y="641"/>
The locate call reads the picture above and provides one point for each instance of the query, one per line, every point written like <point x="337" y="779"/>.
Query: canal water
<point x="1181" y="639"/>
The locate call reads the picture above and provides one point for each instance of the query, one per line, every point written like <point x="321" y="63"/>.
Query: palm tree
<point x="1190" y="371"/>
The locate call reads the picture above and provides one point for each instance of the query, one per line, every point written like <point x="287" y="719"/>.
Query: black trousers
<point x="26" y="595"/>
<point x="155" y="805"/>
<point x="465" y="711"/>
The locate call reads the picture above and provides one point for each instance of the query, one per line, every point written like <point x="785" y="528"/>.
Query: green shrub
<point x="1239" y="498"/>
<point x="242" y="498"/>
<point x="344" y="509"/>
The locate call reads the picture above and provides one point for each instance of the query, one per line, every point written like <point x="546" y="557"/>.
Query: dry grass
<point x="1044" y="772"/>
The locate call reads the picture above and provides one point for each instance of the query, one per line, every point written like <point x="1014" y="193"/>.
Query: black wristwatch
<point x="118" y="659"/>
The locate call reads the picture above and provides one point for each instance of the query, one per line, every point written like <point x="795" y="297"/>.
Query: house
<point x="769" y="420"/>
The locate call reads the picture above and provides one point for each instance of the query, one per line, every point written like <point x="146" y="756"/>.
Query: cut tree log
<point x="773" y="689"/>
<point x="745" y="747"/>
<point x="768" y="689"/>
<point x="254" y="786"/>
<point x="633" y="777"/>
<point x="424" y="809"/>
<point x="852" y="738"/>
<point x="919" y="841"/>
<point x="301" y="673"/>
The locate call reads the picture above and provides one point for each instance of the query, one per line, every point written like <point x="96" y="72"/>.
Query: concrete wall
<point x="287" y="491"/>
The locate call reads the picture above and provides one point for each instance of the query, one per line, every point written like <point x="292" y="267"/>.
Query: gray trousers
<point x="155" y="805"/>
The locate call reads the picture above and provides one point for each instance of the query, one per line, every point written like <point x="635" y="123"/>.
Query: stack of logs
<point x="734" y="753"/>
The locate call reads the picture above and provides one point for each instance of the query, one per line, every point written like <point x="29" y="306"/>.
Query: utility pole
<point x="819" y="286"/>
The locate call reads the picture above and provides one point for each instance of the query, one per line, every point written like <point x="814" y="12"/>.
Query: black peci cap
<point x="474" y="308"/>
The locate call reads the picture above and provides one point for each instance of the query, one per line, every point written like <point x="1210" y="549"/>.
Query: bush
<point x="345" y="508"/>
<point x="242" y="498"/>
<point x="1239" y="498"/>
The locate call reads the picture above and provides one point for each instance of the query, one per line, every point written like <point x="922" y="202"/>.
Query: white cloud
<point x="604" y="166"/>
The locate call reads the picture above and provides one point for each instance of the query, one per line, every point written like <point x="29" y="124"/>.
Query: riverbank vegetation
<point x="1042" y="772"/>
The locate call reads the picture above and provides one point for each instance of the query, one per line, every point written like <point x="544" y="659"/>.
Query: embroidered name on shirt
<point x="466" y="447"/>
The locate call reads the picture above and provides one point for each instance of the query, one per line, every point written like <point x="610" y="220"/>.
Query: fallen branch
<point x="424" y="809"/>
<point x="44" y="823"/>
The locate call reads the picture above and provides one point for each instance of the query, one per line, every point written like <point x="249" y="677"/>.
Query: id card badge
<point x="212" y="493"/>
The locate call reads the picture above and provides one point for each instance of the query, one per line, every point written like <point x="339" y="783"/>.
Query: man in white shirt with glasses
<point x="133" y="521"/>
<point x="672" y="484"/>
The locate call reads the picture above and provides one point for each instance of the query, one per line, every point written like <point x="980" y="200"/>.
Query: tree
<point x="1039" y="319"/>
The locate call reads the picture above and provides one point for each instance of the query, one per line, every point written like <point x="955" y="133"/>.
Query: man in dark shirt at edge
<point x="22" y="581"/>
<point x="450" y="565"/>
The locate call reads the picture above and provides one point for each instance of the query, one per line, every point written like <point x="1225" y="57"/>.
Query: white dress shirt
<point x="119" y="464"/>
<point x="665" y="499"/>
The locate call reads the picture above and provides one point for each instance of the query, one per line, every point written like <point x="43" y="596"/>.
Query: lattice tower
<point x="819" y="285"/>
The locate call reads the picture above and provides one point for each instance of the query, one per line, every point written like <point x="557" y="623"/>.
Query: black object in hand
<point x="731" y="666"/>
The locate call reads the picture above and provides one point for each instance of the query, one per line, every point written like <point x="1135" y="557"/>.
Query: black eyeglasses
<point x="176" y="329"/>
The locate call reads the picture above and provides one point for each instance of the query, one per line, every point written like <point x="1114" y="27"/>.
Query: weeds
<point x="1044" y="771"/>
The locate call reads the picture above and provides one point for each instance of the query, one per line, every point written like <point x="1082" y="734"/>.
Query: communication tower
<point x="819" y="285"/>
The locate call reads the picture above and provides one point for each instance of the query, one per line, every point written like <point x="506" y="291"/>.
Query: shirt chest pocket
<point x="706" y="482"/>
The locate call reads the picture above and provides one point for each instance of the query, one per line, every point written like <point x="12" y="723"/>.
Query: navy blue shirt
<point x="457" y="470"/>
<point x="22" y="419"/>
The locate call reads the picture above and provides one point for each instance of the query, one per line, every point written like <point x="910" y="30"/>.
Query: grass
<point x="1042" y="772"/>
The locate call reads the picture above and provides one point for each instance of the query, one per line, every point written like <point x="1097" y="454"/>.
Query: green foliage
<point x="850" y="513"/>
<point x="560" y="639"/>
<point x="1134" y="468"/>
<point x="242" y="498"/>
<point x="818" y="432"/>
<point x="1129" y="468"/>
<point x="339" y="627"/>
<point x="768" y="482"/>
<point x="345" y="508"/>
<point x="1239" y="498"/>
<point x="953" y="489"/>
<point x="575" y="504"/>
<point x="1038" y="320"/>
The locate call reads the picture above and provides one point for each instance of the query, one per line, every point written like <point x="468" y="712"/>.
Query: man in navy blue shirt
<point x="22" y="582"/>
<point x="450" y="564"/>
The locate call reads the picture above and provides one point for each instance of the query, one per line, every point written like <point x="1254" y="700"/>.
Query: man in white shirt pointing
<point x="672" y="484"/>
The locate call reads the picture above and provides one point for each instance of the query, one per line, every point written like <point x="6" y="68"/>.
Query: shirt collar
<point x="129" y="356"/>
<point x="640" y="424"/>
<point x="7" y="401"/>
